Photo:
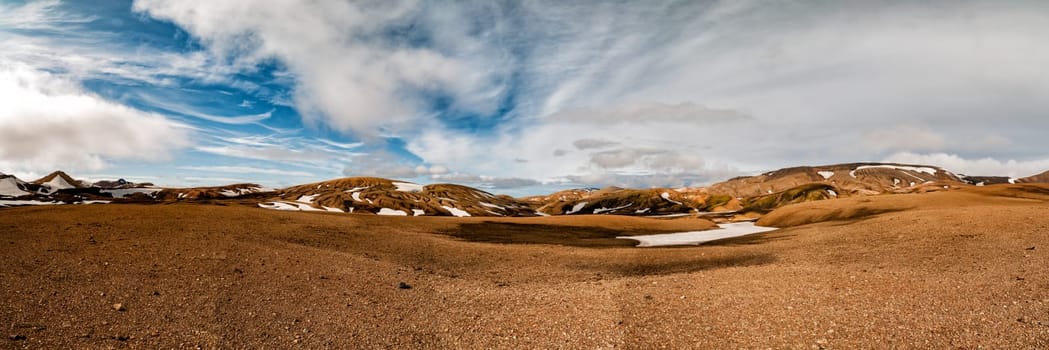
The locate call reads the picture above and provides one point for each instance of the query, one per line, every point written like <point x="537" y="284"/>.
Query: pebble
<point x="17" y="337"/>
<point x="119" y="307"/>
<point x="403" y="285"/>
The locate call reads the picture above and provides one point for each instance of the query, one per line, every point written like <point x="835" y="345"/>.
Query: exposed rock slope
<point x="849" y="179"/>
<point x="389" y="197"/>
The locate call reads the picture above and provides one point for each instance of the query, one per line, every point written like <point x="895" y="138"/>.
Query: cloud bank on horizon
<point x="518" y="96"/>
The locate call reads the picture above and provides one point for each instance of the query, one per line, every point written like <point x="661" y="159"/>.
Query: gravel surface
<point x="967" y="275"/>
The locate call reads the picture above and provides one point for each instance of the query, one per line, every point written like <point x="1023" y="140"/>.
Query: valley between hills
<point x="865" y="255"/>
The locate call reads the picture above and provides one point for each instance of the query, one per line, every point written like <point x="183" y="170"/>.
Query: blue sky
<point x="517" y="97"/>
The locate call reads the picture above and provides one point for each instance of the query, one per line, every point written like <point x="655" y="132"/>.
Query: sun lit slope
<point x="856" y="208"/>
<point x="1040" y="178"/>
<point x="750" y="196"/>
<point x="853" y="178"/>
<point x="390" y="197"/>
<point x="742" y="198"/>
<point x="621" y="201"/>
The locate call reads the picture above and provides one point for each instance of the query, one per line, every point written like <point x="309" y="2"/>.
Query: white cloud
<point x="48" y="123"/>
<point x="387" y="165"/>
<point x="904" y="138"/>
<point x="38" y="15"/>
<point x="649" y="112"/>
<point x="286" y="150"/>
<point x="708" y="90"/>
<point x="584" y="144"/>
<point x="486" y="182"/>
<point x="350" y="73"/>
<point x="976" y="167"/>
<point x="247" y="170"/>
<point x="191" y="112"/>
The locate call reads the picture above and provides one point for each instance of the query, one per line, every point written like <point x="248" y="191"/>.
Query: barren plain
<point x="957" y="269"/>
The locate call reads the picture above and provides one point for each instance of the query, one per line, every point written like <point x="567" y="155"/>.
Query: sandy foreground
<point x="941" y="270"/>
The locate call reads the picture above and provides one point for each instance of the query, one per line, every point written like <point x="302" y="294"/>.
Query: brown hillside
<point x="849" y="179"/>
<point x="61" y="180"/>
<point x="656" y="201"/>
<point x="1040" y="178"/>
<point x="389" y="197"/>
<point x="205" y="193"/>
<point x="856" y="208"/>
<point x="564" y="196"/>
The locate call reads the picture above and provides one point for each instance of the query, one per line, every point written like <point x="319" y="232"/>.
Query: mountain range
<point x="741" y="198"/>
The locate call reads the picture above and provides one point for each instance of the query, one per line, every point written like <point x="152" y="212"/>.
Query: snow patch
<point x="826" y="174"/>
<point x="92" y="202"/>
<point x="333" y="210"/>
<point x="666" y="196"/>
<point x="408" y="187"/>
<point x="307" y="199"/>
<point x="9" y="187"/>
<point x="697" y="237"/>
<point x="289" y="206"/>
<point x="576" y="208"/>
<point x="391" y="212"/>
<point x="602" y="210"/>
<point x="642" y="211"/>
<point x="11" y="203"/>
<point x="58" y="183"/>
<point x="279" y="206"/>
<point x="927" y="170"/>
<point x="124" y="192"/>
<point x="456" y="211"/>
<point x="418" y="212"/>
<point x="490" y="205"/>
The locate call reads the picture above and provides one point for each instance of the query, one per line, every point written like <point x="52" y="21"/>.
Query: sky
<point x="517" y="97"/>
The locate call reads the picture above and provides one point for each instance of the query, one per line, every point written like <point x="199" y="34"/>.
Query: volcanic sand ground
<point x="940" y="270"/>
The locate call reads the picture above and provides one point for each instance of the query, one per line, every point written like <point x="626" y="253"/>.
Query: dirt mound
<point x="856" y="208"/>
<point x="804" y="193"/>
<point x="987" y="180"/>
<point x="656" y="201"/>
<point x="1040" y="178"/>
<point x="202" y="193"/>
<point x="389" y="197"/>
<point x="563" y="196"/>
<point x="848" y="179"/>
<point x="1035" y="191"/>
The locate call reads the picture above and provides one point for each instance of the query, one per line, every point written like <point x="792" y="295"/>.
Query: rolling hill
<point x="741" y="198"/>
